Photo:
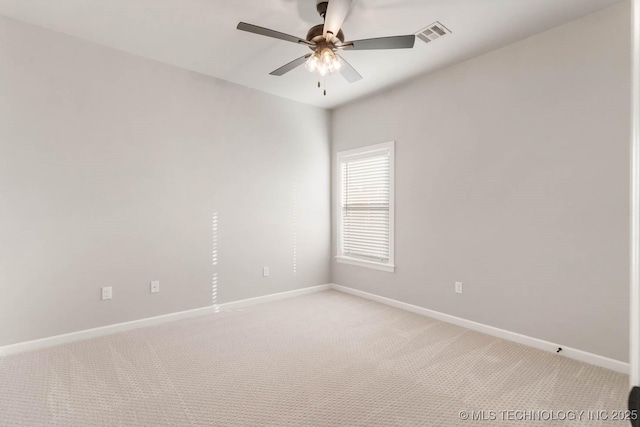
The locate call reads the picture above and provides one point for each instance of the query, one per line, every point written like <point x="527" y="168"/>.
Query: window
<point x="365" y="206"/>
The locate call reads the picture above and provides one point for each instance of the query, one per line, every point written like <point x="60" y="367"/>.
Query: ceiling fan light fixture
<point x="324" y="62"/>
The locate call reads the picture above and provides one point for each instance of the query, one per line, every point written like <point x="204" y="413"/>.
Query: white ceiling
<point x="200" y="35"/>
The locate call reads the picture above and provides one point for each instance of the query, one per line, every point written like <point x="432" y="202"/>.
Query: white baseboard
<point x="569" y="352"/>
<point x="273" y="297"/>
<point x="150" y="321"/>
<point x="572" y="353"/>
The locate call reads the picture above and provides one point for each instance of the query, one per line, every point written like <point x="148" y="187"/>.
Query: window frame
<point x="364" y="152"/>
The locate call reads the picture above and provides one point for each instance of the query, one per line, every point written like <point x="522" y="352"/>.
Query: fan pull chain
<point x="323" y="84"/>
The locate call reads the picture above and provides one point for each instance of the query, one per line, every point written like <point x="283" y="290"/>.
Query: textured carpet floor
<point x="325" y="359"/>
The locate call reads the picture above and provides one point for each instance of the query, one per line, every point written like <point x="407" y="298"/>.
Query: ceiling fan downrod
<point x="321" y="7"/>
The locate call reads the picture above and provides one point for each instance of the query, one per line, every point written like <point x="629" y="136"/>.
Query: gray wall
<point x="512" y="177"/>
<point x="111" y="169"/>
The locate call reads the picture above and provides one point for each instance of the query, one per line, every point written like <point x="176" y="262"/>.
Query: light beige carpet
<point x="327" y="359"/>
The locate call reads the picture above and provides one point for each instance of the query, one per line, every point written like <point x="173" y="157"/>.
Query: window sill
<point x="369" y="264"/>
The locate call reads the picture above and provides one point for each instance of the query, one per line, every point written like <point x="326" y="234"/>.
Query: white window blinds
<point x="366" y="204"/>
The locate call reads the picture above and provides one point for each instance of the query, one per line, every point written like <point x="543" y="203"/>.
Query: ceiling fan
<point x="325" y="40"/>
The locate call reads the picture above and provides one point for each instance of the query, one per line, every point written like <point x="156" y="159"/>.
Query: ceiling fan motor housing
<point x="315" y="35"/>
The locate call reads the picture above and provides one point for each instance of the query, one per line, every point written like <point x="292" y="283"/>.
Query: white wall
<point x="111" y="169"/>
<point x="512" y="177"/>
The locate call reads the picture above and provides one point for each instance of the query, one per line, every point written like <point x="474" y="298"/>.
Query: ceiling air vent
<point x="433" y="32"/>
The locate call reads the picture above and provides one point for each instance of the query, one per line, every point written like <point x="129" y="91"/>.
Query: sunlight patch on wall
<point x="214" y="261"/>
<point x="295" y="229"/>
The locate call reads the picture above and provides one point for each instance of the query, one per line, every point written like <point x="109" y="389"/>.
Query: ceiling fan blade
<point x="243" y="26"/>
<point x="348" y="72"/>
<point x="337" y="12"/>
<point x="290" y="66"/>
<point x="395" y="42"/>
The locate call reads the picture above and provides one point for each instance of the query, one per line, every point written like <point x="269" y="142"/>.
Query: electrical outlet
<point x="155" y="286"/>
<point x="107" y="293"/>
<point x="265" y="271"/>
<point x="458" y="287"/>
